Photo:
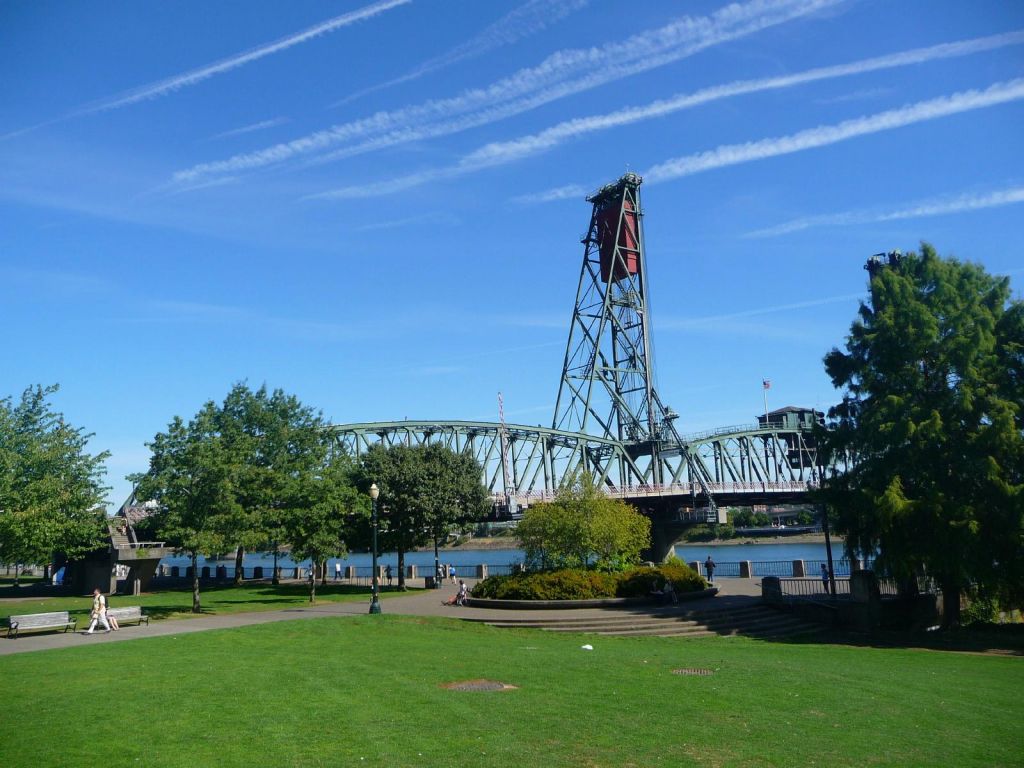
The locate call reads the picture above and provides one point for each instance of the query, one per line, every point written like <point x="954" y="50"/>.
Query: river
<point x="686" y="552"/>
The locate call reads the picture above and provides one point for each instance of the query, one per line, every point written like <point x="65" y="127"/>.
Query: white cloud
<point x="561" y="74"/>
<point x="934" y="207"/>
<point x="734" y="154"/>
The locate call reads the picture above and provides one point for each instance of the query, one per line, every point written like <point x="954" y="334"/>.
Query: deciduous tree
<point x="191" y="477"/>
<point x="51" y="488"/>
<point x="583" y="527"/>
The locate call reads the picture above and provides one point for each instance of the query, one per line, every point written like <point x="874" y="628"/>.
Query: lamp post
<point x="375" y="602"/>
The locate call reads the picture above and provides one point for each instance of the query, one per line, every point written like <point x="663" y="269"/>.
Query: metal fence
<point x="811" y="587"/>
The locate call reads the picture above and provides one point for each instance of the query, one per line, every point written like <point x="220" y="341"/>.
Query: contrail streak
<point x="501" y="153"/>
<point x="960" y="204"/>
<point x="561" y="74"/>
<point x="734" y="154"/>
<point x="186" y="79"/>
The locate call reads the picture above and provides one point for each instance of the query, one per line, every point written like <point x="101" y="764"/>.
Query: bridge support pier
<point x="663" y="539"/>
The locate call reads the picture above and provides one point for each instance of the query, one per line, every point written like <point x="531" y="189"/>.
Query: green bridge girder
<point x="752" y="462"/>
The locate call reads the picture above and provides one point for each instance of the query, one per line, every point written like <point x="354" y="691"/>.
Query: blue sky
<point x="377" y="206"/>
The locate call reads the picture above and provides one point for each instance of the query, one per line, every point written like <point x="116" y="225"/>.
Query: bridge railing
<point x="671" y="489"/>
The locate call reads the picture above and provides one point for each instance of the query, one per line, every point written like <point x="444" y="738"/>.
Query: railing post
<point x="412" y="572"/>
<point x="481" y="571"/>
<point x="746" y="570"/>
<point x="350" y="573"/>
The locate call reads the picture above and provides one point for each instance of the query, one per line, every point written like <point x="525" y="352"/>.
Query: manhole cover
<point x="693" y="671"/>
<point x="478" y="685"/>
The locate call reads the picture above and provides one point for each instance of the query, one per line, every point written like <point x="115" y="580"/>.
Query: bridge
<point x="609" y="420"/>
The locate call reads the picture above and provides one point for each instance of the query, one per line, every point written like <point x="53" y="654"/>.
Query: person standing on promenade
<point x="387" y="573"/>
<point x="99" y="611"/>
<point x="709" y="568"/>
<point x="824" y="578"/>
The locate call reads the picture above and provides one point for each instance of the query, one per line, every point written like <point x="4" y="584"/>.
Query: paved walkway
<point x="419" y="603"/>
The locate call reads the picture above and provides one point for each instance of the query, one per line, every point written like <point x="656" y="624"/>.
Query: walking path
<point x="732" y="592"/>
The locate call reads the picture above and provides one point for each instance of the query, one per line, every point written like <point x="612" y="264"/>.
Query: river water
<point x="495" y="557"/>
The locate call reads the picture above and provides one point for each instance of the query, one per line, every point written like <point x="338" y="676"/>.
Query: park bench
<point x="31" y="622"/>
<point x="128" y="613"/>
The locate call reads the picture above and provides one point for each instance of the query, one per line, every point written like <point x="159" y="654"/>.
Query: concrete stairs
<point x="752" y="620"/>
<point x="119" y="540"/>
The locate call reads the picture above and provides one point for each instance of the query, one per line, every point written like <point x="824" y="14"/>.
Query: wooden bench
<point x="128" y="613"/>
<point x="31" y="622"/>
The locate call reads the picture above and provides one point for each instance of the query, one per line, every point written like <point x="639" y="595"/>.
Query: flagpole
<point x="764" y="391"/>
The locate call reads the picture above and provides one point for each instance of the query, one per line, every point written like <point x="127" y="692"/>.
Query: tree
<point x="451" y="492"/>
<point x="932" y="425"/>
<point x="322" y="503"/>
<point x="583" y="527"/>
<point x="51" y="487"/>
<point x="191" y="477"/>
<point x="271" y="440"/>
<point x="424" y="490"/>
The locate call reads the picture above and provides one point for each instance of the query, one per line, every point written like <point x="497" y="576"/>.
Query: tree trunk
<point x="239" y="571"/>
<point x="950" y="604"/>
<point x="401" y="568"/>
<point x="17" y="574"/>
<point x="323" y="572"/>
<point x="196" y="607"/>
<point x="275" y="579"/>
<point x="312" y="581"/>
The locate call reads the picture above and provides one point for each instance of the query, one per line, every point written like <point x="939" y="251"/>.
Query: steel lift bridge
<point x="609" y="421"/>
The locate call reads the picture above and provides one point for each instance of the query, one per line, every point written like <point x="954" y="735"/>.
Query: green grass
<point x="367" y="691"/>
<point x="177" y="603"/>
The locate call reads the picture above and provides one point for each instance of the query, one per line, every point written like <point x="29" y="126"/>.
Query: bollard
<point x="188" y="572"/>
<point x="205" y="573"/>
<point x="412" y="572"/>
<point x="174" y="571"/>
<point x="350" y="572"/>
<point x="257" y="572"/>
<point x="798" y="569"/>
<point x="746" y="570"/>
<point x="222" y="571"/>
<point x="481" y="571"/>
<point x="298" y="572"/>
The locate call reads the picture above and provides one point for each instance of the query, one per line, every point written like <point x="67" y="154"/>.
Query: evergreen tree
<point x="932" y="427"/>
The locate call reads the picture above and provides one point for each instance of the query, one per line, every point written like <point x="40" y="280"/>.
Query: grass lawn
<point x="367" y="691"/>
<point x="177" y="603"/>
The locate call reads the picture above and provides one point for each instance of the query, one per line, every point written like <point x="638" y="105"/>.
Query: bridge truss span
<point x="748" y="465"/>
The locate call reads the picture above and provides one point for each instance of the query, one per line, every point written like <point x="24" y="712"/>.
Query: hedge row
<point x="588" y="585"/>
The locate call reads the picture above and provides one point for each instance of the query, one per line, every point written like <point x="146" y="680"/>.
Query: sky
<point x="378" y="206"/>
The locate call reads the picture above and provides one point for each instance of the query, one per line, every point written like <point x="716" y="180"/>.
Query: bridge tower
<point x="608" y="384"/>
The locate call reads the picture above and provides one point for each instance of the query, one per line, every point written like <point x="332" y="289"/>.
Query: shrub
<point x="640" y="581"/>
<point x="551" y="585"/>
<point x="587" y="585"/>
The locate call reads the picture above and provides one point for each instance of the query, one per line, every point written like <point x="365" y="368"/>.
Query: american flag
<point x="766" y="383"/>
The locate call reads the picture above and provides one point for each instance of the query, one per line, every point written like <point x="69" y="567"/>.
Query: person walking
<point x="337" y="570"/>
<point x="99" y="611"/>
<point x="451" y="572"/>
<point x="824" y="578"/>
<point x="387" y="573"/>
<point x="709" y="569"/>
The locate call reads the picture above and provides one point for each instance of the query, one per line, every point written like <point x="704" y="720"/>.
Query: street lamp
<point x="375" y="602"/>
